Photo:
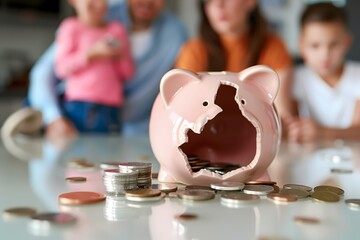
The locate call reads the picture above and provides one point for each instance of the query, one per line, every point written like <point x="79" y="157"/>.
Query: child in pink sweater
<point x="94" y="57"/>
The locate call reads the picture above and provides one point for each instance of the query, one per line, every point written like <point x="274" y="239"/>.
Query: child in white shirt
<point x="326" y="88"/>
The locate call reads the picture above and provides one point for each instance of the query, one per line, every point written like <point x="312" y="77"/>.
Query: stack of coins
<point x="143" y="169"/>
<point x="116" y="181"/>
<point x="222" y="168"/>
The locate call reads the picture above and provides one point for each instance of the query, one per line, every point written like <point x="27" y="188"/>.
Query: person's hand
<point x="61" y="132"/>
<point x="104" y="49"/>
<point x="303" y="130"/>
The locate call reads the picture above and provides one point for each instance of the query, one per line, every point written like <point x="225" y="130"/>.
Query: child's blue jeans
<point x="91" y="117"/>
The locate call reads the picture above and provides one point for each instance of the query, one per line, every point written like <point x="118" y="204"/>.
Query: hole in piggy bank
<point x="227" y="142"/>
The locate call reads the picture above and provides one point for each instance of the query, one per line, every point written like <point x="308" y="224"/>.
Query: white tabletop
<point x="38" y="181"/>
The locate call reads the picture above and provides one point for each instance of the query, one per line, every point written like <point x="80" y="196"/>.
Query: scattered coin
<point x="354" y="203"/>
<point x="298" y="193"/>
<point x="195" y="195"/>
<point x="143" y="193"/>
<point x="79" y="198"/>
<point x="341" y="171"/>
<point x="145" y="199"/>
<point x="325" y="196"/>
<point x="54" y="218"/>
<point x="276" y="188"/>
<point x="228" y="186"/>
<point x="332" y="189"/>
<point x="281" y="197"/>
<point x="186" y="217"/>
<point x="19" y="212"/>
<point x="165" y="187"/>
<point x="260" y="183"/>
<point x="297" y="186"/>
<point x="238" y="198"/>
<point x="75" y="179"/>
<point x="306" y="220"/>
<point x="258" y="189"/>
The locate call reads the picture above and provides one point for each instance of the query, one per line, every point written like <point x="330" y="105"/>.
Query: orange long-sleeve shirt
<point x="193" y="55"/>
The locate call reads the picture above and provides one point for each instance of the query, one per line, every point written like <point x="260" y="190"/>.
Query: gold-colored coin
<point x="325" y="196"/>
<point x="297" y="186"/>
<point x="327" y="188"/>
<point x="143" y="193"/>
<point x="196" y="195"/>
<point x="75" y="179"/>
<point x="300" y="194"/>
<point x="19" y="212"/>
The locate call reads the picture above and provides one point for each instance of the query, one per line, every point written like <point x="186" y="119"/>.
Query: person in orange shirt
<point x="234" y="36"/>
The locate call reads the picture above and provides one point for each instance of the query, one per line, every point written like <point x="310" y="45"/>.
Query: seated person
<point x="327" y="87"/>
<point x="94" y="57"/>
<point x="156" y="37"/>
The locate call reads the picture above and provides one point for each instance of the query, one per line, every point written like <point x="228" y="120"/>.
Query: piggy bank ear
<point x="264" y="77"/>
<point x="173" y="81"/>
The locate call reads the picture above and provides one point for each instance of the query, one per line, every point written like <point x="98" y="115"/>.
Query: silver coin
<point x="354" y="203"/>
<point x="228" y="186"/>
<point x="238" y="198"/>
<point x="297" y="186"/>
<point x="258" y="189"/>
<point x="195" y="195"/>
<point x="165" y="187"/>
<point x="55" y="218"/>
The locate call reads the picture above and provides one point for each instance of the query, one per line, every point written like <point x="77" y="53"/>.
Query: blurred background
<point x="27" y="27"/>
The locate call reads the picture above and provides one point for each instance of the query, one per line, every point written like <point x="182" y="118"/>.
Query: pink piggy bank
<point x="212" y="127"/>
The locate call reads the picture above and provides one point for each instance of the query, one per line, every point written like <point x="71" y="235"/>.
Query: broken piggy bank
<point x="212" y="127"/>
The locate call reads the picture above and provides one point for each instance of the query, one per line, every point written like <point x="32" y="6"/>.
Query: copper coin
<point x="143" y="193"/>
<point x="55" y="218"/>
<point x="79" y="198"/>
<point x="325" y="196"/>
<point x="195" y="195"/>
<point x="19" y="212"/>
<point x="260" y="183"/>
<point x="297" y="186"/>
<point x="75" y="179"/>
<point x="332" y="189"/>
<point x="281" y="197"/>
<point x="306" y="220"/>
<point x="186" y="217"/>
<point x="154" y="175"/>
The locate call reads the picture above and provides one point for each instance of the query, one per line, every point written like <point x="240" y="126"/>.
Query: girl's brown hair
<point x="216" y="53"/>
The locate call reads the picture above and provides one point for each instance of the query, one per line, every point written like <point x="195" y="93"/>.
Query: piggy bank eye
<point x="205" y="103"/>
<point x="243" y="102"/>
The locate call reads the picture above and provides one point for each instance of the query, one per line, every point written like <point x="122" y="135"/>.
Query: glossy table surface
<point x="37" y="180"/>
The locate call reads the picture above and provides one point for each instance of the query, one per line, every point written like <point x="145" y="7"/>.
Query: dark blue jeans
<point x="91" y="117"/>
